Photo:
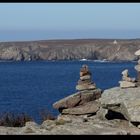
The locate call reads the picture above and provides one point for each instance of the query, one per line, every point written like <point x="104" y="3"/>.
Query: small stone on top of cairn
<point x="127" y="81"/>
<point x="85" y="82"/>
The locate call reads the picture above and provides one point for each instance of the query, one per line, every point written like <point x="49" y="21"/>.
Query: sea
<point x="32" y="87"/>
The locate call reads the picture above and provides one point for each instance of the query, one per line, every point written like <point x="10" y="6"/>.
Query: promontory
<point x="74" y="49"/>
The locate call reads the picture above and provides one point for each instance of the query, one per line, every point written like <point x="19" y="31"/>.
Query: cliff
<point x="94" y="49"/>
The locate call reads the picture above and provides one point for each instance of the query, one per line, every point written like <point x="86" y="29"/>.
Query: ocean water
<point x="30" y="87"/>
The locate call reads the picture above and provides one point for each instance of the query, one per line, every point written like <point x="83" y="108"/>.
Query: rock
<point x="61" y="122"/>
<point x="138" y="126"/>
<point x="85" y="82"/>
<point x="139" y="61"/>
<point x="80" y="82"/>
<point x="31" y="124"/>
<point x="126" y="84"/>
<point x="71" y="118"/>
<point x="78" y="98"/>
<point x="125" y="72"/>
<point x="128" y="79"/>
<point x="10" y="130"/>
<point x="137" y="67"/>
<point x="90" y="95"/>
<point x="48" y="124"/>
<point x="85" y="77"/>
<point x="30" y="127"/>
<point x="138" y="79"/>
<point x="76" y="127"/>
<point x="85" y="87"/>
<point x="125" y="101"/>
<point x="87" y="108"/>
<point x="94" y="127"/>
<point x="10" y="53"/>
<point x="66" y="118"/>
<point x="84" y="71"/>
<point x="102" y="113"/>
<point x="137" y="53"/>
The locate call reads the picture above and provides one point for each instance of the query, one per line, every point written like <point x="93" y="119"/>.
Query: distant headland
<point x="72" y="49"/>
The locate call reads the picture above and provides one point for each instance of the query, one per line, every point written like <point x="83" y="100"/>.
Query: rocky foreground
<point x="94" y="49"/>
<point x="91" y="111"/>
<point x="117" y="113"/>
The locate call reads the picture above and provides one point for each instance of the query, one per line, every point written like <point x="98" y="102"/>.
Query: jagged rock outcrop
<point x="95" y="49"/>
<point x="120" y="106"/>
<point x="77" y="99"/>
<point x="74" y="125"/>
<point x="125" y="101"/>
<point x="11" y="53"/>
<point x="88" y="108"/>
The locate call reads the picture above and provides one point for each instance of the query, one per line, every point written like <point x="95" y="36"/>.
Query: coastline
<point x="94" y="49"/>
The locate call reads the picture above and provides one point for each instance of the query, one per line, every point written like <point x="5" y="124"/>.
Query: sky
<point x="44" y="21"/>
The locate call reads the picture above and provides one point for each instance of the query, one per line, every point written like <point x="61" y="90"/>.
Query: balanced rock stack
<point x="137" y="67"/>
<point x="85" y="82"/>
<point x="85" y="101"/>
<point x="127" y="82"/>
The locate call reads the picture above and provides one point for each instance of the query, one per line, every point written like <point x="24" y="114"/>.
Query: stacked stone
<point x="127" y="81"/>
<point x="137" y="67"/>
<point x="83" y="102"/>
<point x="85" y="82"/>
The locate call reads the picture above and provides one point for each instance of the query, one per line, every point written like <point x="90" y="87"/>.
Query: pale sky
<point x="39" y="21"/>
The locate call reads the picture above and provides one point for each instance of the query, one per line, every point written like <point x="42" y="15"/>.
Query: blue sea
<point x="31" y="87"/>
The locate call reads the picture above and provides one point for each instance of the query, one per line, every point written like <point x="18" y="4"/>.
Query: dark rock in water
<point x="78" y="98"/>
<point x="87" y="108"/>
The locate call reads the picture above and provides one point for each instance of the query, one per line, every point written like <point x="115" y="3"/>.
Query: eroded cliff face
<point x="70" y="50"/>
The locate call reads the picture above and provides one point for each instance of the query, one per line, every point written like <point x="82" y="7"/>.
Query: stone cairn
<point x="137" y="67"/>
<point x="85" y="82"/>
<point x="127" y="81"/>
<point x="83" y="102"/>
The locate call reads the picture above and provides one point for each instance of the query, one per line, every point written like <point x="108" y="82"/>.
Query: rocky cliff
<point x="95" y="49"/>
